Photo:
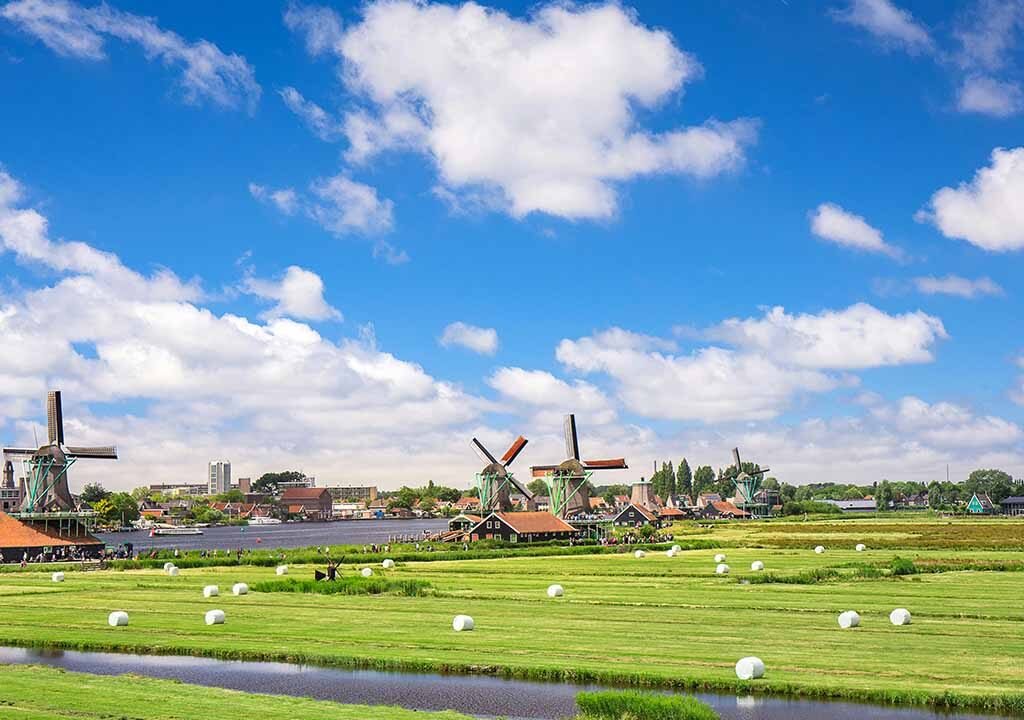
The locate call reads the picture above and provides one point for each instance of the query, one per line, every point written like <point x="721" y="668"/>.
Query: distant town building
<point x="980" y="504"/>
<point x="1013" y="505"/>
<point x="353" y="493"/>
<point x="634" y="515"/>
<point x="302" y="482"/>
<point x="245" y="485"/>
<point x="522" y="527"/>
<point x="178" y="489"/>
<point x="219" y="477"/>
<point x="11" y="494"/>
<point x="313" y="503"/>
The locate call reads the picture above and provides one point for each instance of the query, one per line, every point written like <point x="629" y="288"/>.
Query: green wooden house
<point x="980" y="504"/>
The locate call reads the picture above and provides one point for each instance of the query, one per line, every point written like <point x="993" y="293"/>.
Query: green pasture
<point x="656" y="621"/>
<point x="42" y="693"/>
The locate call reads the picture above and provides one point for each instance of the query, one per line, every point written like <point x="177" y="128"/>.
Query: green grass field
<point x="659" y="621"/>
<point x="40" y="693"/>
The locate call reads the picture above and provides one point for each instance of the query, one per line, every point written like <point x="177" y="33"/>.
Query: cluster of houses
<point x="531" y="520"/>
<point x="299" y="502"/>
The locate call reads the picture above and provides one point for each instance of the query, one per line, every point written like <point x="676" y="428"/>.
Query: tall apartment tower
<point x="220" y="477"/>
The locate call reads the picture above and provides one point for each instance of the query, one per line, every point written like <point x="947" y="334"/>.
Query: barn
<point x="634" y="516"/>
<point x="522" y="527"/>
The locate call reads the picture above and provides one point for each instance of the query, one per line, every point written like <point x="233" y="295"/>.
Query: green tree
<point x="684" y="479"/>
<point x="234" y="496"/>
<point x="447" y="494"/>
<point x="996" y="483"/>
<point x="884" y="495"/>
<point x="93" y="492"/>
<point x="117" y="508"/>
<point x="269" y="483"/>
<point x="142" y="493"/>
<point x="538" y="487"/>
<point x="703" y="480"/>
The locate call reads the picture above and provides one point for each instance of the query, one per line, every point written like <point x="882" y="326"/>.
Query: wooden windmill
<point x="46" y="467"/>
<point x="568" y="482"/>
<point x="747" y="486"/>
<point x="494" y="483"/>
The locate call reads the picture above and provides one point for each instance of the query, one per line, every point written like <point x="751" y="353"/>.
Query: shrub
<point x="902" y="566"/>
<point x="630" y="705"/>
<point x="347" y="586"/>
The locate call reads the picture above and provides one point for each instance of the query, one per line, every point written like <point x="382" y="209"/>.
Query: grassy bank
<point x="656" y="622"/>
<point x="38" y="693"/>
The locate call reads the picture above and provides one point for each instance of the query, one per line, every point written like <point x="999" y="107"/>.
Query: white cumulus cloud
<point x="69" y="29"/>
<point x="987" y="211"/>
<point x="507" y="106"/>
<point x="836" y="225"/>
<point x="478" y="339"/>
<point x="989" y="96"/>
<point x="298" y="294"/>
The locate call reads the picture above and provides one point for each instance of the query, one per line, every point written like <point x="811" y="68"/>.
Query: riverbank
<point x="38" y="693"/>
<point x="653" y="622"/>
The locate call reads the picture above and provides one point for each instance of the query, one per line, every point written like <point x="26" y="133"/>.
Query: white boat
<point x="264" y="521"/>
<point x="176" y="531"/>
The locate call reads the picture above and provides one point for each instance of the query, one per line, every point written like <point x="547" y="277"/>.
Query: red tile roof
<point x="526" y="523"/>
<point x="16" y="534"/>
<point x="724" y="506"/>
<point x="293" y="494"/>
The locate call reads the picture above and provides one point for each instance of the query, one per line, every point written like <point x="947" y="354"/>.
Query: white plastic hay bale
<point x="820" y="549"/>
<point x="555" y="591"/>
<point x="388" y="564"/>
<point x="639" y="554"/>
<point x="462" y="623"/>
<point x="211" y="591"/>
<point x="215" y="617"/>
<point x="671" y="552"/>
<point x="57" y="577"/>
<point x="750" y="668"/>
<point x="366" y="572"/>
<point x="861" y="547"/>
<point x="239" y="589"/>
<point x="168" y="566"/>
<point x="118" y="618"/>
<point x="720" y="558"/>
<point x="722" y="569"/>
<point x="849" y="619"/>
<point x="900" y="616"/>
<point x="757" y="566"/>
<point x="676" y="548"/>
<point x="282" y="570"/>
<point x="173" y="571"/>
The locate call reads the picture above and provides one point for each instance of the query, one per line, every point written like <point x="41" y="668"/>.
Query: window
<point x="488" y="524"/>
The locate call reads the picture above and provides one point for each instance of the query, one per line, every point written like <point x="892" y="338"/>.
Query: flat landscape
<point x="657" y="621"/>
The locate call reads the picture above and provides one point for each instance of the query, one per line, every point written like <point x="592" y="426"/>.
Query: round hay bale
<point x="900" y="616"/>
<point x="849" y="619"/>
<point x="676" y="548"/>
<point x="173" y="571"/>
<point x="720" y="558"/>
<point x="57" y="577"/>
<point x="118" y="618"/>
<point x="168" y="566"/>
<point x="239" y="589"/>
<point x="671" y="553"/>
<point x="462" y="623"/>
<point x="722" y="569"/>
<point x="211" y="591"/>
<point x="639" y="554"/>
<point x="282" y="570"/>
<point x="750" y="668"/>
<point x="388" y="564"/>
<point x="555" y="591"/>
<point x="819" y="549"/>
<point x="757" y="566"/>
<point x="215" y="617"/>
<point x="861" y="547"/>
<point x="366" y="572"/>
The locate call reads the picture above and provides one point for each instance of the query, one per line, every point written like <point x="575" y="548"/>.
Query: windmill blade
<point x="18" y="451"/>
<point x="93" y="453"/>
<point x="519" y="487"/>
<point x="736" y="459"/>
<point x="483" y="452"/>
<point x="513" y="451"/>
<point x="612" y="464"/>
<point x="54" y="418"/>
<point x="572" y="443"/>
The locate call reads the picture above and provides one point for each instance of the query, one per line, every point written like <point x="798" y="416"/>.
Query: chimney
<point x="9" y="475"/>
<point x="245" y="485"/>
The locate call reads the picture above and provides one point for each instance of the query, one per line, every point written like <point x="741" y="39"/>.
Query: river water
<point x="484" y="697"/>
<point x="286" y="535"/>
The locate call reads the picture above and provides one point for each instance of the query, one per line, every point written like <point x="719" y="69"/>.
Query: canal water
<point x="286" y="535"/>
<point x="484" y="697"/>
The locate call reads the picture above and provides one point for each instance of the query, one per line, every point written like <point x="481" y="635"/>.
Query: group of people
<point x="60" y="553"/>
<point x="634" y="538"/>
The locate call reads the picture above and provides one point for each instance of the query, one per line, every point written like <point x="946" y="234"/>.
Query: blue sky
<point x="694" y="224"/>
